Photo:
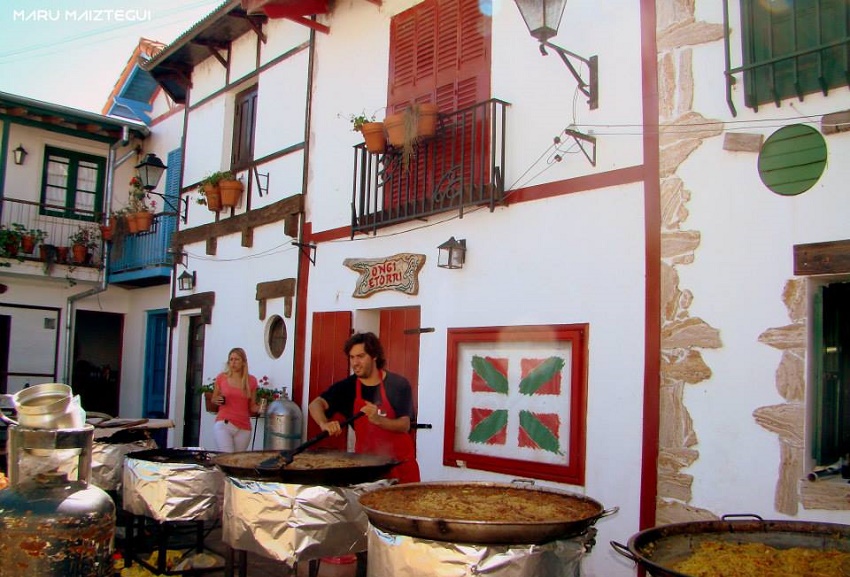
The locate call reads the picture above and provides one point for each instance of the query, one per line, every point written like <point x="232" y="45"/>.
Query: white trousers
<point x="230" y="438"/>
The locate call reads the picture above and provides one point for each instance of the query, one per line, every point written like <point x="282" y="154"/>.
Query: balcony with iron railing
<point x="134" y="259"/>
<point x="461" y="167"/>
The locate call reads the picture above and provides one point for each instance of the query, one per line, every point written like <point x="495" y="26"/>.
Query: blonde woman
<point x="235" y="392"/>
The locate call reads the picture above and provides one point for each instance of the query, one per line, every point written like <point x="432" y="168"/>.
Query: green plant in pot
<point x="30" y="237"/>
<point x="209" y="191"/>
<point x="372" y="131"/>
<point x="10" y="243"/>
<point x="83" y="241"/>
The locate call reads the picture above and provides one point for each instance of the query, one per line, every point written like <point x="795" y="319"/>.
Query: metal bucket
<point x="283" y="425"/>
<point x="48" y="406"/>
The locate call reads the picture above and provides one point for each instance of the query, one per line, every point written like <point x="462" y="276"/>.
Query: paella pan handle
<point x="608" y="512"/>
<point x="285" y="457"/>
<point x="623" y="550"/>
<point x="741" y="516"/>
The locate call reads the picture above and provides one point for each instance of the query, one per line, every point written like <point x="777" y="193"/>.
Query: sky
<point x="71" y="52"/>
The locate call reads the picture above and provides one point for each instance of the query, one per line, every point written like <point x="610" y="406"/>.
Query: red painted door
<point x="328" y="363"/>
<point x="400" y="337"/>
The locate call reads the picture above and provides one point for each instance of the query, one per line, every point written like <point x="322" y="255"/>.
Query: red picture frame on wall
<point x="516" y="400"/>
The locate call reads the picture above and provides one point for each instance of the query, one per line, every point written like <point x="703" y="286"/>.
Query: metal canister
<point x="283" y="425"/>
<point x="52" y="524"/>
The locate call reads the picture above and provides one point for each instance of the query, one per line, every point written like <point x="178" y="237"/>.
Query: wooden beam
<point x="822" y="258"/>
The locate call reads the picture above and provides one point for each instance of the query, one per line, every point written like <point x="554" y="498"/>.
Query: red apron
<point x="377" y="441"/>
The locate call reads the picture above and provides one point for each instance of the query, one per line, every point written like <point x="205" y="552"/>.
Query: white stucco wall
<point x="744" y="259"/>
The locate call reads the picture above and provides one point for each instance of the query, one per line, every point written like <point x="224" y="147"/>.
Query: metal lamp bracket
<point x="582" y="139"/>
<point x="182" y="211"/>
<point x="589" y="88"/>
<point x="308" y="250"/>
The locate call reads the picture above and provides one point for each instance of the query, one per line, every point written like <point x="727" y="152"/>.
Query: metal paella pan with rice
<point x="480" y="512"/>
<point x="320" y="467"/>
<point x="735" y="547"/>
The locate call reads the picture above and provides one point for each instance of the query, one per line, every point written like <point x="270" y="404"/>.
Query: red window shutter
<point x="439" y="52"/>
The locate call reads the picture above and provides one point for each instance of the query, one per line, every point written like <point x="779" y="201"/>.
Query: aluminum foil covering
<point x="172" y="491"/>
<point x="107" y="463"/>
<point x="292" y="523"/>
<point x="404" y="556"/>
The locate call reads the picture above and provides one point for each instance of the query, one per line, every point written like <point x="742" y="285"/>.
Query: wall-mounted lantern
<point x="452" y="253"/>
<point x="186" y="281"/>
<point x="542" y="17"/>
<point x="20" y="154"/>
<point x="150" y="171"/>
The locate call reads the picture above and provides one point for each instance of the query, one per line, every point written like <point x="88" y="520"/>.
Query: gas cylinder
<point x="52" y="525"/>
<point x="283" y="425"/>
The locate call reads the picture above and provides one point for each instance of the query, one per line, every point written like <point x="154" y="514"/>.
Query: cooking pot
<point x="47" y="406"/>
<point x="659" y="548"/>
<point x="245" y="465"/>
<point x="492" y="532"/>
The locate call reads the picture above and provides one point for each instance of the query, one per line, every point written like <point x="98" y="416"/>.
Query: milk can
<point x="283" y="425"/>
<point x="53" y="524"/>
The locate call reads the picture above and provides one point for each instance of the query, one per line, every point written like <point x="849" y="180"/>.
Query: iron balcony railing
<point x="57" y="230"/>
<point x="144" y="250"/>
<point x="129" y="253"/>
<point x="462" y="166"/>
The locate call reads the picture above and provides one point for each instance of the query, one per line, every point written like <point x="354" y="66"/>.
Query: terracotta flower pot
<point x="144" y="221"/>
<point x="231" y="192"/>
<point x="212" y="193"/>
<point x="61" y="254"/>
<point x="27" y="244"/>
<point x="107" y="230"/>
<point x="132" y="224"/>
<point x="208" y="403"/>
<point x="80" y="253"/>
<point x="394" y="126"/>
<point x="373" y="134"/>
<point x="427" y="127"/>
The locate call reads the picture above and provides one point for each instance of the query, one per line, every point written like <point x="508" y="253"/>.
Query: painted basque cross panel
<point x="516" y="400"/>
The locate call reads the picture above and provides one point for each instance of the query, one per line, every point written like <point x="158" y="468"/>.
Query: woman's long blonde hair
<point x="244" y="381"/>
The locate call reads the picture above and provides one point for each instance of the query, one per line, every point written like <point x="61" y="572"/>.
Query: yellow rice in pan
<point x="719" y="559"/>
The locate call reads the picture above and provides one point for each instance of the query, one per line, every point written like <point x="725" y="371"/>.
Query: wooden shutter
<point x="400" y="338"/>
<point x="328" y="363"/>
<point x="439" y="52"/>
<point x="243" y="129"/>
<point x="772" y="32"/>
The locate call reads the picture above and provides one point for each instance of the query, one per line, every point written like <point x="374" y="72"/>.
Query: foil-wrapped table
<point x="293" y="523"/>
<point x="406" y="556"/>
<point x="179" y="496"/>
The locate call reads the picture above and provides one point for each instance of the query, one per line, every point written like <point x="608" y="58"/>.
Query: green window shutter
<point x="831" y="350"/>
<point x="796" y="48"/>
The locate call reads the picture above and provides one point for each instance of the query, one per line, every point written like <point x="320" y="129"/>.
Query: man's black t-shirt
<point x="340" y="395"/>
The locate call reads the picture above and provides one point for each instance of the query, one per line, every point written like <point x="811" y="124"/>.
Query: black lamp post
<point x="543" y="17"/>
<point x="452" y="253"/>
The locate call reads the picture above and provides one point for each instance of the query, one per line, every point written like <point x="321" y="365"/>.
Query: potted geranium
<point x="207" y="390"/>
<point x="82" y="242"/>
<point x="372" y="131"/>
<point x="231" y="189"/>
<point x="139" y="214"/>
<point x="10" y="242"/>
<point x="210" y="191"/>
<point x="30" y="237"/>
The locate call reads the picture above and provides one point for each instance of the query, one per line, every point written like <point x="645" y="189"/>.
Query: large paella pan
<point x="660" y="549"/>
<point x="481" y="512"/>
<point x="321" y="467"/>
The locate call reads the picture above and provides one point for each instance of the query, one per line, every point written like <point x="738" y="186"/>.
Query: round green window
<point x="792" y="159"/>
